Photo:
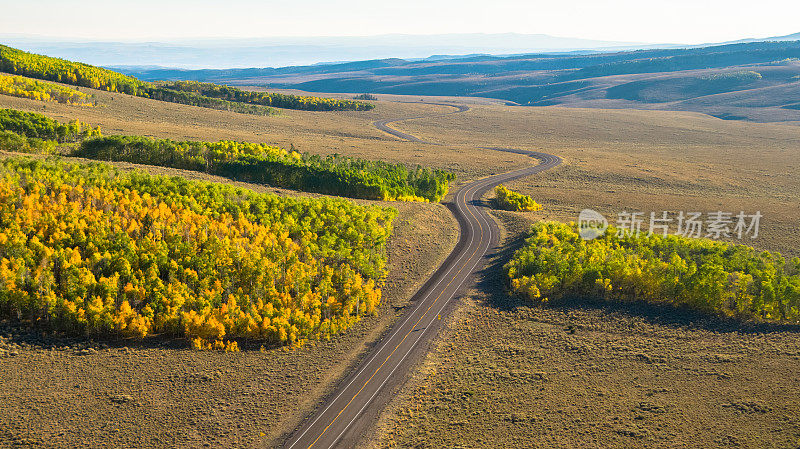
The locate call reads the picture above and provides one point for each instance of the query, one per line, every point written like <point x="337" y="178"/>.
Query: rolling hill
<point x="756" y="81"/>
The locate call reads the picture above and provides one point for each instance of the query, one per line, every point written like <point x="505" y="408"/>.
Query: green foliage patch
<point x="507" y="199"/>
<point x="19" y="86"/>
<point x="333" y="175"/>
<point x="705" y="275"/>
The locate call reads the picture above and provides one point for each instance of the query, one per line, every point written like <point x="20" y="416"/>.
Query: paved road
<point x="383" y="125"/>
<point x="355" y="404"/>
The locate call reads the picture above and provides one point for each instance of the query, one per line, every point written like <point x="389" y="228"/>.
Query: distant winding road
<point x="383" y="125"/>
<point x="355" y="404"/>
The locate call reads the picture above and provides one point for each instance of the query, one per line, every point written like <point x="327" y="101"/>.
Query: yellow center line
<point x="480" y="242"/>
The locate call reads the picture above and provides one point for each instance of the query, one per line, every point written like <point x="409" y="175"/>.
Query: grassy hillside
<point x="510" y="375"/>
<point x="18" y="62"/>
<point x="677" y="88"/>
<point x="615" y="159"/>
<point x="346" y="133"/>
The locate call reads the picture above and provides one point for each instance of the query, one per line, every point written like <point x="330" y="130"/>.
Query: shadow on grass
<point x="23" y="333"/>
<point x="486" y="203"/>
<point x="491" y="281"/>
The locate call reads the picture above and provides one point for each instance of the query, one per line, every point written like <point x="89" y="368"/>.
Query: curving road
<point x="383" y="125"/>
<point x="355" y="404"/>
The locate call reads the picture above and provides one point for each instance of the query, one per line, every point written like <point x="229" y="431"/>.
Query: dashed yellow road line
<point x="480" y="242"/>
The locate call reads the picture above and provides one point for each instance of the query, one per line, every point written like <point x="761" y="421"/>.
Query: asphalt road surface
<point x="343" y="418"/>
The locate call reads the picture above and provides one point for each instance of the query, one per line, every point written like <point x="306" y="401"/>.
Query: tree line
<point x="702" y="274"/>
<point x="194" y="99"/>
<point x="85" y="248"/>
<point x="232" y="94"/>
<point x="19" y="86"/>
<point x="27" y="132"/>
<point x="258" y="163"/>
<point x="252" y="162"/>
<point x="33" y="125"/>
<point x="31" y="65"/>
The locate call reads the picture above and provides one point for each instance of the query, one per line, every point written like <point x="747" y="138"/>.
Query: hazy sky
<point x="673" y="21"/>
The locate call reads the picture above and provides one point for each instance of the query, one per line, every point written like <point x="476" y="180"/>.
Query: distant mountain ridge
<point x="788" y="37"/>
<point x="288" y="51"/>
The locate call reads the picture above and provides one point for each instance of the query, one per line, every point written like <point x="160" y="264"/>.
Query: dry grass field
<point x="616" y="160"/>
<point x="386" y="97"/>
<point x="502" y="373"/>
<point x="649" y="161"/>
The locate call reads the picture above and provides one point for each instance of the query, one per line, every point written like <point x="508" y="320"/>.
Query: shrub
<point x="507" y="199"/>
<point x="33" y="125"/>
